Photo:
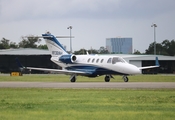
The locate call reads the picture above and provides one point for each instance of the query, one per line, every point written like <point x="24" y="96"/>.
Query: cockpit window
<point x="117" y="59"/>
<point x="109" y="60"/>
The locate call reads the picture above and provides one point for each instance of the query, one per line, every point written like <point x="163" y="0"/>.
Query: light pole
<point x="154" y="25"/>
<point x="70" y="27"/>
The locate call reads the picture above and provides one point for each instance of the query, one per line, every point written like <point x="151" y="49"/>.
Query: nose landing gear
<point x="125" y="78"/>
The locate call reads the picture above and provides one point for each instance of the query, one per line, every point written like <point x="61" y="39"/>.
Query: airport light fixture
<point x="70" y="27"/>
<point x="154" y="25"/>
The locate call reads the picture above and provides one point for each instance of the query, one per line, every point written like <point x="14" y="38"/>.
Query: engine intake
<point x="68" y="59"/>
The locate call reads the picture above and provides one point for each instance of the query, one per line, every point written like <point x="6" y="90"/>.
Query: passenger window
<point x="102" y="60"/>
<point x="97" y="60"/>
<point x="89" y="60"/>
<point x="93" y="60"/>
<point x="109" y="60"/>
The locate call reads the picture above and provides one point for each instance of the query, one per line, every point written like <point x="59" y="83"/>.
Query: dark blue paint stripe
<point x="52" y="38"/>
<point x="94" y="70"/>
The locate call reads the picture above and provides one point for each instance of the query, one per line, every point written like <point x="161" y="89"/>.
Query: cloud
<point x="15" y="10"/>
<point x="32" y="9"/>
<point x="92" y="20"/>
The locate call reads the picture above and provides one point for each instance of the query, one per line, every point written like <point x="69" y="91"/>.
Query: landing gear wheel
<point x="107" y="78"/>
<point x="125" y="78"/>
<point x="73" y="78"/>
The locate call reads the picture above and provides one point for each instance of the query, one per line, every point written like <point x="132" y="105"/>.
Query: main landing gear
<point x="73" y="78"/>
<point x="108" y="77"/>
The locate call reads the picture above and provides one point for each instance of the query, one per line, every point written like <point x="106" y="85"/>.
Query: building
<point x="28" y="57"/>
<point x="167" y="63"/>
<point x="41" y="58"/>
<point x="119" y="45"/>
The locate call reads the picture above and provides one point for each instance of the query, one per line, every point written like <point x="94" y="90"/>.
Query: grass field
<point x="86" y="104"/>
<point x="65" y="78"/>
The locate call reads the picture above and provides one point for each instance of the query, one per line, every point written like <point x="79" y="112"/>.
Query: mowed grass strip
<point x="86" y="104"/>
<point x="65" y="78"/>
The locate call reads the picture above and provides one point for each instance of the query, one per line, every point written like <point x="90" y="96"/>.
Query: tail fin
<point x="20" y="66"/>
<point x="157" y="62"/>
<point x="19" y="63"/>
<point x="54" y="45"/>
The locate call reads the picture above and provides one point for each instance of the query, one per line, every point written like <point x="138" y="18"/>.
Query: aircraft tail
<point x="54" y="45"/>
<point x="157" y="62"/>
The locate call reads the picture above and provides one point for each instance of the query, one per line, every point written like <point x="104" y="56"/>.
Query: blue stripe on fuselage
<point x="93" y="71"/>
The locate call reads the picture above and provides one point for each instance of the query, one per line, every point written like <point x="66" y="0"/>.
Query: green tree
<point x="29" y="42"/>
<point x="137" y="52"/>
<point x="159" y="49"/>
<point x="43" y="46"/>
<point x="103" y="50"/>
<point x="169" y="47"/>
<point x="93" y="51"/>
<point x="13" y="45"/>
<point x="164" y="48"/>
<point x="79" y="52"/>
<point x="4" y="44"/>
<point x="84" y="51"/>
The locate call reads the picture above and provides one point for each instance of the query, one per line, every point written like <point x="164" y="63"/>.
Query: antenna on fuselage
<point x="87" y="52"/>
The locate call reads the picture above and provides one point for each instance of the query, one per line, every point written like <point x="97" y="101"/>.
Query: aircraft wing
<point x="147" y="67"/>
<point x="59" y="71"/>
<point x="53" y="70"/>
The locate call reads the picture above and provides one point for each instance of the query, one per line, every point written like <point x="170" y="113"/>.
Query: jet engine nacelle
<point x="68" y="59"/>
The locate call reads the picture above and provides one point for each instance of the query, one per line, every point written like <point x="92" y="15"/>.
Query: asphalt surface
<point x="122" y="85"/>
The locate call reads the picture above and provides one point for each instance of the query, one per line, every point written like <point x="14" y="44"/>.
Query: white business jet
<point x="88" y="65"/>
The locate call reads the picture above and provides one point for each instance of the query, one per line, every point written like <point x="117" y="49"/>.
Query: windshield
<point x="117" y="59"/>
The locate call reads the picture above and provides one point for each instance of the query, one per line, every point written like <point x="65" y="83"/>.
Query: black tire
<point x="73" y="79"/>
<point x="107" y="78"/>
<point x="125" y="78"/>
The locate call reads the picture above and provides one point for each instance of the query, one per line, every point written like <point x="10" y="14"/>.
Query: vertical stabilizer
<point x="54" y="45"/>
<point x="157" y="62"/>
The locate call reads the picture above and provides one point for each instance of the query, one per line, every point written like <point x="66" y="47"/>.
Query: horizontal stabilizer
<point x="147" y="67"/>
<point x="156" y="65"/>
<point x="50" y="36"/>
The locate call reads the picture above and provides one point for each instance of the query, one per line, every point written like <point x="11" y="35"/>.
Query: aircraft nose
<point x="133" y="70"/>
<point x="136" y="70"/>
<point x="128" y="69"/>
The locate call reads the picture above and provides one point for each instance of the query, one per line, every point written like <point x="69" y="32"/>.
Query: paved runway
<point x="122" y="85"/>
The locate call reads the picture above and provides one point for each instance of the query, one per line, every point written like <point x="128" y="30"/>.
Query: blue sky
<point x="93" y="20"/>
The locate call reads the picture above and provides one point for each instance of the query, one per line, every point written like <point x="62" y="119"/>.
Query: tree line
<point x="26" y="42"/>
<point x="33" y="41"/>
<point x="166" y="47"/>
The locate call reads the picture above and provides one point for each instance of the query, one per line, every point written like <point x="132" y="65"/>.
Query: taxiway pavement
<point x="118" y="85"/>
